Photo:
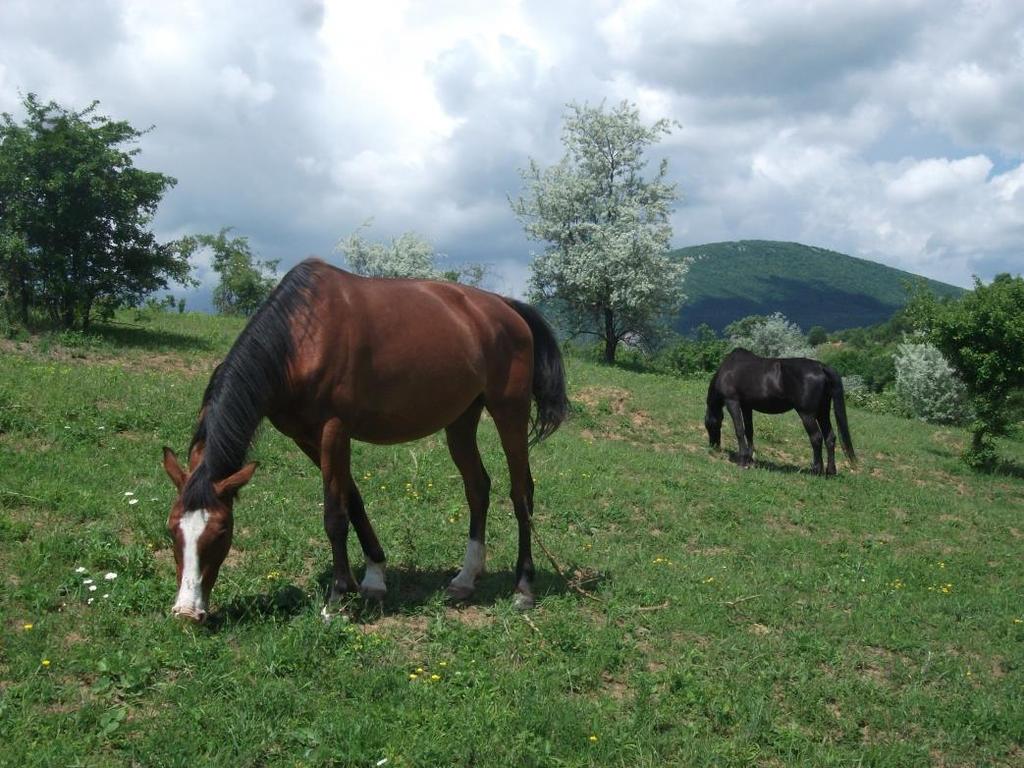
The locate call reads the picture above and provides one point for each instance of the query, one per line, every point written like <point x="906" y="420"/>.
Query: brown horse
<point x="332" y="357"/>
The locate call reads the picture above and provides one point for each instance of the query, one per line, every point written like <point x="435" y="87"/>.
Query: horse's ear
<point x="196" y="455"/>
<point x="173" y="469"/>
<point x="229" y="486"/>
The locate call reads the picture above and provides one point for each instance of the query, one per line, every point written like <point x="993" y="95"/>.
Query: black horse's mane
<point x="237" y="394"/>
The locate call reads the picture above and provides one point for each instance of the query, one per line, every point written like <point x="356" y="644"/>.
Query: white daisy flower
<point x="80" y="569"/>
<point x="110" y="576"/>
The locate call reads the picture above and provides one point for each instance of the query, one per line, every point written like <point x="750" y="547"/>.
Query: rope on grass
<point x="572" y="583"/>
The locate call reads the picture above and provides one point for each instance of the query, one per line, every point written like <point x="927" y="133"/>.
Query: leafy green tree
<point x="817" y="335"/>
<point x="245" y="281"/>
<point x="606" y="227"/>
<point x="75" y="214"/>
<point x="981" y="334"/>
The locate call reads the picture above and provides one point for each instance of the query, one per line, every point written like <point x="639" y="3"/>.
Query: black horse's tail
<point x="548" y="374"/>
<point x="839" y="404"/>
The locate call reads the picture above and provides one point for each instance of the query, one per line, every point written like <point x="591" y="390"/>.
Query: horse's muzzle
<point x="192" y="614"/>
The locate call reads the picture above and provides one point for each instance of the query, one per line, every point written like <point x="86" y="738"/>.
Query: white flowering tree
<point x="927" y="385"/>
<point x="771" y="336"/>
<point x="606" y="227"/>
<point x="408" y="255"/>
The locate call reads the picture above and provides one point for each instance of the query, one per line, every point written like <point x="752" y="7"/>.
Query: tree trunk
<point x="25" y="301"/>
<point x="86" y="315"/>
<point x="610" y="341"/>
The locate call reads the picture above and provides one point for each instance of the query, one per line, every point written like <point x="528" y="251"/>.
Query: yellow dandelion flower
<point x="45" y="662"/>
<point x="27" y="626"/>
<point x="419" y="670"/>
<point x="592" y="738"/>
<point x="443" y="664"/>
<point x="435" y="678"/>
<point x="1018" y="621"/>
<point x="413" y="676"/>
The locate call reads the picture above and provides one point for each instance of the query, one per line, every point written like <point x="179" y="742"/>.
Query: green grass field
<point x="763" y="617"/>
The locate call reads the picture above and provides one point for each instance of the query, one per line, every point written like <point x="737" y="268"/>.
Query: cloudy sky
<point x="891" y="130"/>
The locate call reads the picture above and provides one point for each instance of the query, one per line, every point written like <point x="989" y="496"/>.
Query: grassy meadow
<point x="764" y="617"/>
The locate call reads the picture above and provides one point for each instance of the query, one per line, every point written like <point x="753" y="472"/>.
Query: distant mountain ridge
<point x="809" y="285"/>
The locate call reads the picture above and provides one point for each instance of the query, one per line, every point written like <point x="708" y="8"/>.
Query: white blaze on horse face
<point x="190" y="600"/>
<point x="472" y="566"/>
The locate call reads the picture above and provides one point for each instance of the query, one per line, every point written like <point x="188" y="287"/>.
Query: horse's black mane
<point x="236" y="396"/>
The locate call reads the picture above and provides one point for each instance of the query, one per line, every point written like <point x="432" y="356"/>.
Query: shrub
<point x="874" y="363"/>
<point x="772" y="336"/>
<point x="688" y="357"/>
<point x="927" y="385"/>
<point x="982" y="335"/>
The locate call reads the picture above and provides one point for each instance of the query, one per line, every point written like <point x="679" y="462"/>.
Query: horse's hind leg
<point x="814" y="433"/>
<point x="512" y="421"/>
<point x="829" y="436"/>
<point x="373" y="585"/>
<point x="461" y="436"/>
<point x="748" y="428"/>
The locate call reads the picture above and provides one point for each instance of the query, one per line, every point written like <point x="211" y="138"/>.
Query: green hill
<point x="810" y="286"/>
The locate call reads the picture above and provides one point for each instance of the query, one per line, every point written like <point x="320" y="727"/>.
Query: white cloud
<point x="890" y="129"/>
<point x="932" y="178"/>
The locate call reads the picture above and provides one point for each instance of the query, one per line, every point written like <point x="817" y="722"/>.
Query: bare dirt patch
<point x="787" y="526"/>
<point x="616" y="397"/>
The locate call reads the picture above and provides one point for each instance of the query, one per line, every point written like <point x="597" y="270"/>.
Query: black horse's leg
<point x="744" y="452"/>
<point x="373" y="585"/>
<point x="748" y="428"/>
<point x="513" y="421"/>
<point x="335" y="456"/>
<point x="829" y="435"/>
<point x="814" y="433"/>
<point x="461" y="436"/>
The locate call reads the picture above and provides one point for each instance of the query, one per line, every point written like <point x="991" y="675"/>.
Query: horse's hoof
<point x="331" y="612"/>
<point x="458" y="593"/>
<point x="373" y="593"/>
<point x="524" y="602"/>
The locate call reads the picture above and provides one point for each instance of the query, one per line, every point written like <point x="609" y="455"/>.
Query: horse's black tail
<point x="548" y="374"/>
<point x="839" y="404"/>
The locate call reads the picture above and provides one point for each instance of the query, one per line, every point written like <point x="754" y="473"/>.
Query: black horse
<point x="745" y="383"/>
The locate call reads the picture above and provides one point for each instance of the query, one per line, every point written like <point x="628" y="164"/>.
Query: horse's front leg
<point x="335" y="458"/>
<point x="744" y="451"/>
